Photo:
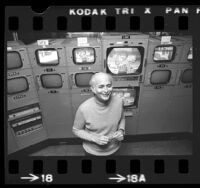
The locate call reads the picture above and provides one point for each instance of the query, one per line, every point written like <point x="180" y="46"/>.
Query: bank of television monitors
<point x="17" y="85"/>
<point x="186" y="77"/>
<point x="82" y="79"/>
<point x="51" y="81"/>
<point x="164" y="53"/>
<point x="47" y="57"/>
<point x="124" y="60"/>
<point x="84" y="55"/>
<point x="14" y="60"/>
<point x="160" y="77"/>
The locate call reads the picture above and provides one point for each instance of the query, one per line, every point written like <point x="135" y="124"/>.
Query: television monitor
<point x="47" y="57"/>
<point x="14" y="60"/>
<point x="83" y="79"/>
<point x="160" y="77"/>
<point x="190" y="54"/>
<point x="164" y="53"/>
<point x="84" y="55"/>
<point x="186" y="76"/>
<point x="124" y="60"/>
<point x="17" y="85"/>
<point x="51" y="81"/>
<point x="126" y="94"/>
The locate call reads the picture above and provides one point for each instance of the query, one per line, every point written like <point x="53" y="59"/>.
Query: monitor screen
<point x="124" y="60"/>
<point x="17" y="85"/>
<point x="13" y="60"/>
<point x="84" y="55"/>
<point x="47" y="57"/>
<point x="51" y="81"/>
<point x="190" y="54"/>
<point x="83" y="79"/>
<point x="164" y="53"/>
<point x="160" y="77"/>
<point x="187" y="76"/>
<point x="126" y="94"/>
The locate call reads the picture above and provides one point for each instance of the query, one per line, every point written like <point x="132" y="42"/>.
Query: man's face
<point x="102" y="88"/>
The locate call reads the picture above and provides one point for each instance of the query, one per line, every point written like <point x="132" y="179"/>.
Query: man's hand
<point x="100" y="140"/>
<point x="119" y="135"/>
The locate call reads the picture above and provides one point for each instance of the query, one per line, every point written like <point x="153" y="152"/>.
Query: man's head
<point x="101" y="85"/>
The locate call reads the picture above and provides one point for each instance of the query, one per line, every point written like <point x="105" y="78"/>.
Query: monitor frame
<point x="141" y="49"/>
<point x="9" y="69"/>
<point x="164" y="61"/>
<point x="154" y="84"/>
<point x="75" y="82"/>
<point x="46" y="64"/>
<point x="19" y="91"/>
<point x="73" y="56"/>
<point x="181" y="77"/>
<point x="42" y="84"/>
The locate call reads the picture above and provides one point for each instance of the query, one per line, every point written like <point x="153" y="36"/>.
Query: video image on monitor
<point x="187" y="76"/>
<point x="190" y="54"/>
<point x="13" y="60"/>
<point x="47" y="57"/>
<point x="124" y="60"/>
<point x="160" y="77"/>
<point x="51" y="81"/>
<point x="17" y="85"/>
<point x="126" y="94"/>
<point x="84" y="55"/>
<point x="164" y="53"/>
<point x="83" y="79"/>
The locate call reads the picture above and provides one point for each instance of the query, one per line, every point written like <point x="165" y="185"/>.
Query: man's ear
<point x="93" y="89"/>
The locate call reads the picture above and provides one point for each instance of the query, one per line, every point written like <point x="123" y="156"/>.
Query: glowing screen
<point x="126" y="94"/>
<point x="85" y="55"/>
<point x="47" y="57"/>
<point x="190" y="54"/>
<point x="50" y="81"/>
<point x="124" y="60"/>
<point x="160" y="76"/>
<point x="187" y="76"/>
<point x="164" y="53"/>
<point x="17" y="85"/>
<point x="13" y="60"/>
<point x="83" y="79"/>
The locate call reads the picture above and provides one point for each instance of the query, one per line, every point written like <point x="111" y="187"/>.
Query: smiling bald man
<point x="100" y="121"/>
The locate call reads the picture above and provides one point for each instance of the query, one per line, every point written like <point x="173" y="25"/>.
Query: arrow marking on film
<point x="119" y="178"/>
<point x="31" y="178"/>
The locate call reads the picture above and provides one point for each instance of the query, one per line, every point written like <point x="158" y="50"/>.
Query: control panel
<point x="25" y="120"/>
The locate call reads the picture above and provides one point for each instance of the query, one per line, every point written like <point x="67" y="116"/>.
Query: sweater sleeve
<point x="79" y="127"/>
<point x="122" y="120"/>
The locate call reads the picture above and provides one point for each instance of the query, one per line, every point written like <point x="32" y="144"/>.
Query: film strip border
<point x="78" y="170"/>
<point x="139" y="18"/>
<point x="85" y="170"/>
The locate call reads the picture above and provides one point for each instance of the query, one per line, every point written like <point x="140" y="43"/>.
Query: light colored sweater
<point x="93" y="117"/>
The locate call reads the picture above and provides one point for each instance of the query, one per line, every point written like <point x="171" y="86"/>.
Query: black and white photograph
<point x="100" y="94"/>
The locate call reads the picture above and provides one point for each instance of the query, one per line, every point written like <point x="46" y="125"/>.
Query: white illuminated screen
<point x="163" y="53"/>
<point x="124" y="60"/>
<point x="128" y="96"/>
<point x="48" y="56"/>
<point x="190" y="54"/>
<point x="84" y="55"/>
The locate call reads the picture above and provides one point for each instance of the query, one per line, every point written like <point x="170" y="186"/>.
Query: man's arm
<point x="79" y="125"/>
<point x="78" y="130"/>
